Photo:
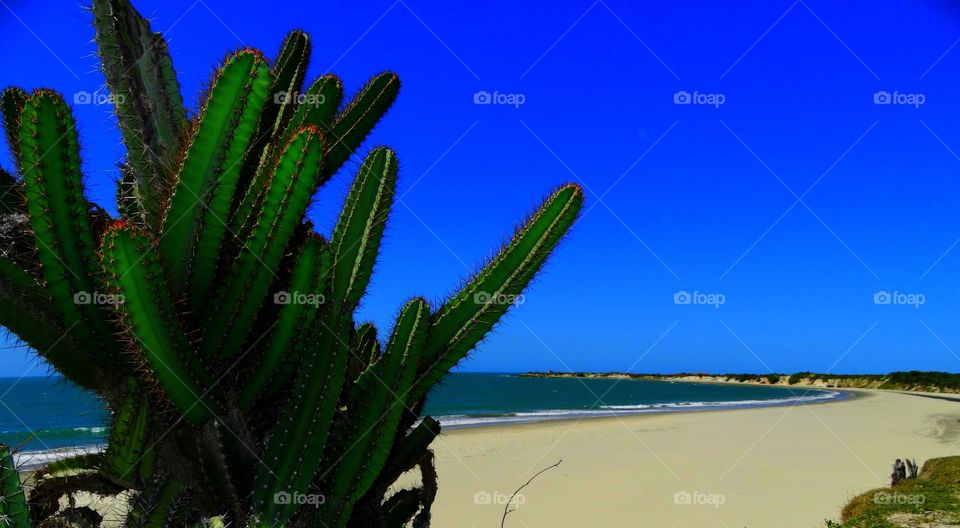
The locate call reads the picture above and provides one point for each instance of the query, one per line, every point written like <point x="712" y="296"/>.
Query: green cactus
<point x="12" y="101"/>
<point x="13" y="506"/>
<point x="214" y="322"/>
<point x="149" y="108"/>
<point x="194" y="222"/>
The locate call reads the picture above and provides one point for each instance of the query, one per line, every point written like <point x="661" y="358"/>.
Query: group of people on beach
<point x="900" y="470"/>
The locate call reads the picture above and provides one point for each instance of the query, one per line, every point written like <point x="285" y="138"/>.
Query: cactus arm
<point x="222" y="196"/>
<point x="403" y="349"/>
<point x="371" y="196"/>
<point x="294" y="180"/>
<point x="30" y="318"/>
<point x="356" y="121"/>
<point x="309" y="278"/>
<point x="149" y="315"/>
<point x="320" y="105"/>
<point x="288" y="72"/>
<point x="321" y="102"/>
<point x="13" y="508"/>
<point x="60" y="220"/>
<point x="294" y="452"/>
<point x="146" y="98"/>
<point x="375" y="404"/>
<point x="221" y="134"/>
<point x="126" y="445"/>
<point x="287" y="75"/>
<point x="138" y="67"/>
<point x="357" y="235"/>
<point x="463" y="321"/>
<point x="52" y="181"/>
<point x="11" y="105"/>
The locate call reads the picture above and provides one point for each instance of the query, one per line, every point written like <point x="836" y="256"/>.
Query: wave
<point x="28" y="460"/>
<point x="734" y="403"/>
<point x="65" y="432"/>
<point x="472" y="420"/>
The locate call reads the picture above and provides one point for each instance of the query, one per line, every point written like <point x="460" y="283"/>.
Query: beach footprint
<point x="942" y="427"/>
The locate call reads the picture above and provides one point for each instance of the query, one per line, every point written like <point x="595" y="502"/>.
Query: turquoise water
<point x="478" y="399"/>
<point x="60" y="414"/>
<point x="48" y="414"/>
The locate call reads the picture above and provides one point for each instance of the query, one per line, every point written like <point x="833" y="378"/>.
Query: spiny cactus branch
<point x="146" y="97"/>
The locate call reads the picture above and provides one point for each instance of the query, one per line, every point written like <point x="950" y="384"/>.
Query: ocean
<point x="48" y="417"/>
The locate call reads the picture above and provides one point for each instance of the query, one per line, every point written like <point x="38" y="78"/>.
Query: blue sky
<point x="794" y="202"/>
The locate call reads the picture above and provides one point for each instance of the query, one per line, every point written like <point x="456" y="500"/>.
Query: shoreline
<point x="837" y="395"/>
<point x="788" y="466"/>
<point x="850" y="395"/>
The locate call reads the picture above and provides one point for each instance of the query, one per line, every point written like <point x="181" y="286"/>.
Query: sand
<point x="780" y="467"/>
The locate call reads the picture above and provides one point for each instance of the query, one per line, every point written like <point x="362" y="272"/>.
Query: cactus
<point x="213" y="321"/>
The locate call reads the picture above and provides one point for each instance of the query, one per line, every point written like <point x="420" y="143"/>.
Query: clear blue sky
<point x="680" y="197"/>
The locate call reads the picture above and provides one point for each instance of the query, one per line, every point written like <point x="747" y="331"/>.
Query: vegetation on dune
<point x="908" y="380"/>
<point x="933" y="499"/>
<point x="215" y="323"/>
<point x="913" y="380"/>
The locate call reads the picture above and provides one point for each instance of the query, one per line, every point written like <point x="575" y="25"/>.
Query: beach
<point x="787" y="466"/>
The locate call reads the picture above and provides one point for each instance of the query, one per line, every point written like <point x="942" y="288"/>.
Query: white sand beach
<point x="784" y="467"/>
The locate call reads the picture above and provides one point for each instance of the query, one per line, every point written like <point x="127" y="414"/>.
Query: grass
<point x="933" y="499"/>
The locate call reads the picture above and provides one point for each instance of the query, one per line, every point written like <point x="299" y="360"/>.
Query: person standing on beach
<point x="899" y="472"/>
